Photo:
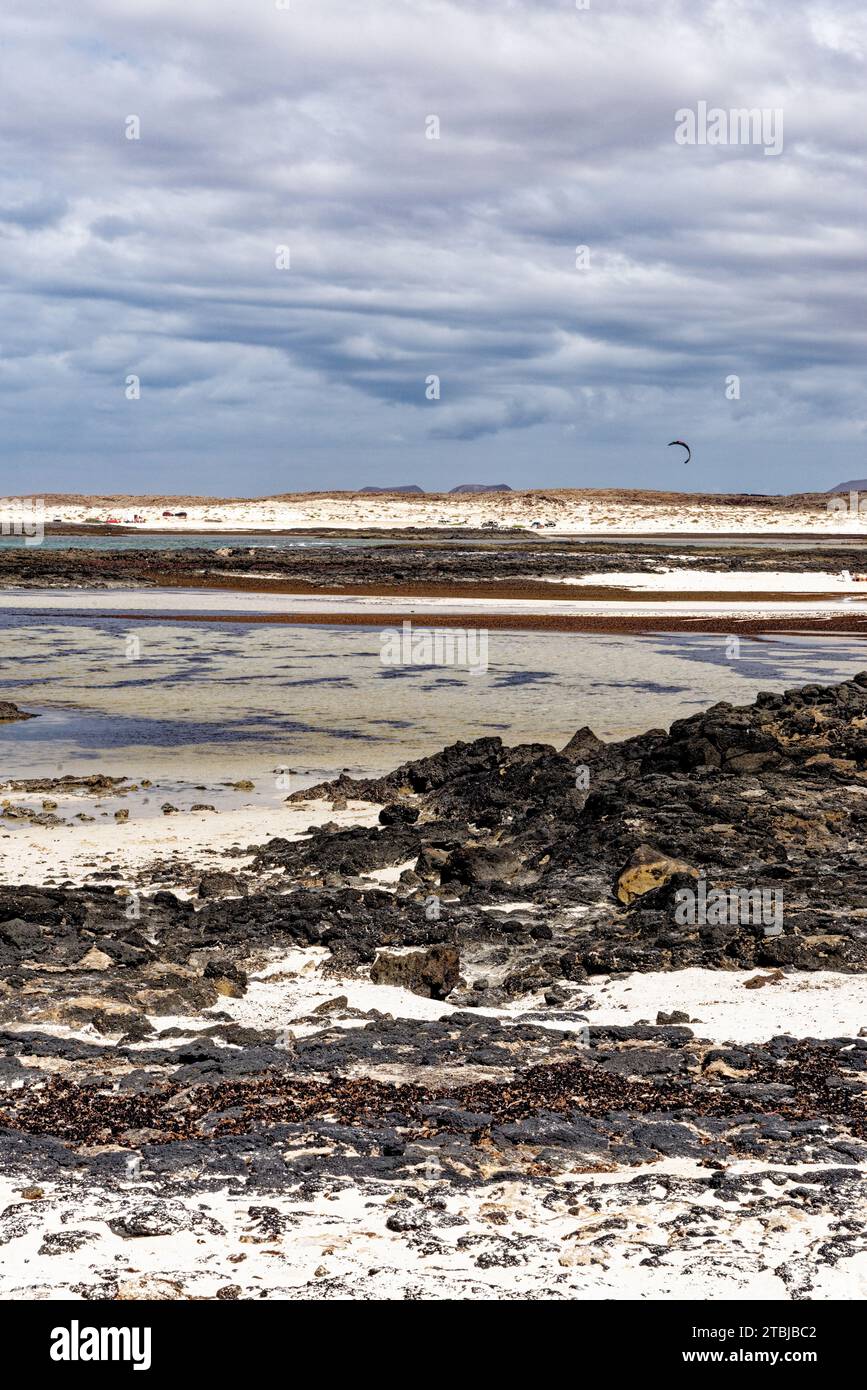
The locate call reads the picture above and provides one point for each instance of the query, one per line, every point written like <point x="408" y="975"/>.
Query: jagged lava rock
<point x="433" y="973"/>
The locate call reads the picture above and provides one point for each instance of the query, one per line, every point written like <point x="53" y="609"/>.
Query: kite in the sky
<point x="683" y="446"/>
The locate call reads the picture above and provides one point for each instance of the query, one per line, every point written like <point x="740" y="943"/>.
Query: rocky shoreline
<point x="427" y="562"/>
<point x="372" y="1060"/>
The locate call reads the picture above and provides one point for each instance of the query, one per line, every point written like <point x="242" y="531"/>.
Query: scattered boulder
<point x="227" y="978"/>
<point x="759" y="981"/>
<point x="433" y="972"/>
<point x="218" y="884"/>
<point x="584" y="744"/>
<point x="648" y="868"/>
<point x="398" y="814"/>
<point x="22" y="936"/>
<point x="331" y="1006"/>
<point x="9" y="712"/>
<point x="483" y="865"/>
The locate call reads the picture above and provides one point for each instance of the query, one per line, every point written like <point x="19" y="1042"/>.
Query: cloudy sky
<point x="306" y="127"/>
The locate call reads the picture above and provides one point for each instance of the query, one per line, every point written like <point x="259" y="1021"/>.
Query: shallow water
<point x="262" y="540"/>
<point x="310" y="540"/>
<point x="229" y="701"/>
<point x="181" y="540"/>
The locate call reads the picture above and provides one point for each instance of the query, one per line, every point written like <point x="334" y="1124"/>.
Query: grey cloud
<point x="305" y="128"/>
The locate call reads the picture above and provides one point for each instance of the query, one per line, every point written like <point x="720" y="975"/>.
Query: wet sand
<point x="602" y="624"/>
<point x="511" y="591"/>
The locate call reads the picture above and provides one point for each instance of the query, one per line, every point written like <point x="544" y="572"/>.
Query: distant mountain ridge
<point x="480" y="487"/>
<point x="854" y="485"/>
<point x="461" y="487"/>
<point x="404" y="487"/>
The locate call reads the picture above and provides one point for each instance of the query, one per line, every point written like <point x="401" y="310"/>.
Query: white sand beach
<point x="667" y="580"/>
<point x="29" y="854"/>
<point x="548" y="511"/>
<point x="192" y="602"/>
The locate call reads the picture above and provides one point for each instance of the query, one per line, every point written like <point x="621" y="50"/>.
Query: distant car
<point x="168" y="513"/>
<point x="113" y="521"/>
<point x="182" y="515"/>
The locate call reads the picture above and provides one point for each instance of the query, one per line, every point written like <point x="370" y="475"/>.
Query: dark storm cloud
<point x="305" y="127"/>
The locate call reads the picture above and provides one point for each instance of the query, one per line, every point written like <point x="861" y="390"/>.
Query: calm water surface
<point x="216" y="701"/>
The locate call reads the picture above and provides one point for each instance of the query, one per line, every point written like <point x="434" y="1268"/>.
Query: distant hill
<point x="404" y="487"/>
<point x="856" y="485"/>
<point x="481" y="487"/>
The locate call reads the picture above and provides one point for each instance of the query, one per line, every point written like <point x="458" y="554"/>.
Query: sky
<point x="260" y="247"/>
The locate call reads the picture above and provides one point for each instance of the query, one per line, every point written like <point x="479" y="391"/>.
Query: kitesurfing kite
<point x="683" y="446"/>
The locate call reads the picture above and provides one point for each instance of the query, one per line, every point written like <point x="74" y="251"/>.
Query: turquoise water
<point x="184" y="541"/>
<point x="263" y="540"/>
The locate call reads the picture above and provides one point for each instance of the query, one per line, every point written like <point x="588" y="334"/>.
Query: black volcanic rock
<point x="410" y="558"/>
<point x="769" y="796"/>
<point x="503" y="858"/>
<point x="9" y="712"/>
<point x="108" y="1117"/>
<point x="432" y="972"/>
